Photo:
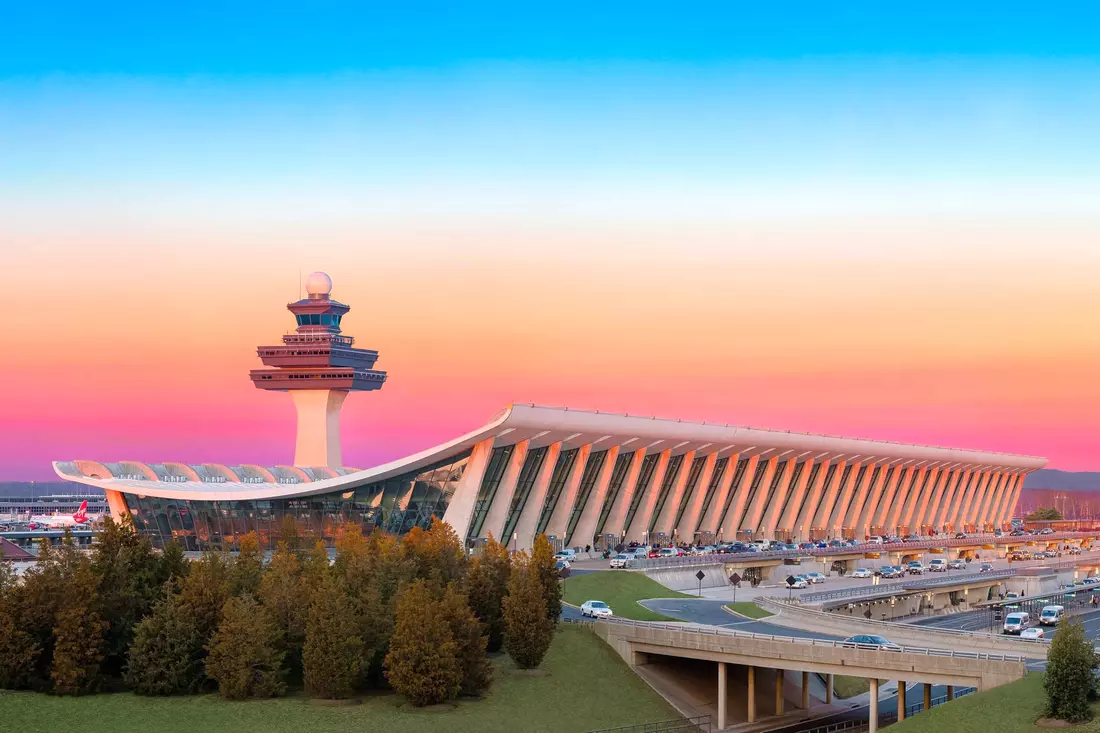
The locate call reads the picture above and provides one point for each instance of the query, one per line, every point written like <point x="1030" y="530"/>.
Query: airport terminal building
<point x="578" y="476"/>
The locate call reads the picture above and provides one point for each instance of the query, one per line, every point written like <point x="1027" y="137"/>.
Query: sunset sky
<point x="822" y="220"/>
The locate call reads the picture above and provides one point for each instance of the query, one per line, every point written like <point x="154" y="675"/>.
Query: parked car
<point x="620" y="560"/>
<point x="1033" y="634"/>
<point x="939" y="565"/>
<point x="596" y="609"/>
<point x="956" y="565"/>
<point x="875" y="540"/>
<point x="1046" y="530"/>
<point x="1074" y="550"/>
<point x="916" y="567"/>
<point x="1038" y="556"/>
<point x="570" y="555"/>
<point x="873" y="640"/>
<point x="814" y="577"/>
<point x="960" y="535"/>
<point x="1050" y="553"/>
<point x="862" y="573"/>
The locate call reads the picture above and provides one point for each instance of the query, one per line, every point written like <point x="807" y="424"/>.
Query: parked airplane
<point x="43" y="521"/>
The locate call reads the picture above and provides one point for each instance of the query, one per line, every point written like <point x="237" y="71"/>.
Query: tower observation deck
<point x="319" y="367"/>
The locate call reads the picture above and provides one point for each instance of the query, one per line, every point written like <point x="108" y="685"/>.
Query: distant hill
<point x="1049" y="478"/>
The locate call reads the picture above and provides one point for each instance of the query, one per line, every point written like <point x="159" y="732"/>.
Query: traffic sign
<point x="791" y="580"/>
<point x="700" y="575"/>
<point x="735" y="579"/>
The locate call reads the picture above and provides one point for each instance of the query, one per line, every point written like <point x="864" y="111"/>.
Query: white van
<point x="1016" y="622"/>
<point x="875" y="540"/>
<point x="1051" y="615"/>
<point x="939" y="565"/>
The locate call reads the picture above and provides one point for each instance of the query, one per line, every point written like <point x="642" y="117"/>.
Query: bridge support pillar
<point x="901" y="700"/>
<point x="927" y="696"/>
<point x="805" y="690"/>
<point x="780" y="674"/>
<point x="829" y="689"/>
<point x="950" y="692"/>
<point x="722" y="695"/>
<point x="872" y="717"/>
<point x="752" y="695"/>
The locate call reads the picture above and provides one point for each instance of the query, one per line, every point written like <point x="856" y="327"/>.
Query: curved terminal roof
<point x="537" y="424"/>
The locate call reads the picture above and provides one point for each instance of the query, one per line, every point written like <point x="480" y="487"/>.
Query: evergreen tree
<point x="333" y="653"/>
<point x="528" y="629"/>
<point x="470" y="643"/>
<point x="33" y="609"/>
<point x="287" y="599"/>
<point x="203" y="594"/>
<point x="487" y="584"/>
<point x="422" y="663"/>
<point x="19" y="650"/>
<point x="435" y="554"/>
<point x="172" y="565"/>
<point x="166" y="657"/>
<point x="244" y="657"/>
<point x="248" y="566"/>
<point x="315" y="566"/>
<point x="1070" y="683"/>
<point x="78" y="634"/>
<point x="288" y="533"/>
<point x="542" y="559"/>
<point x="130" y="582"/>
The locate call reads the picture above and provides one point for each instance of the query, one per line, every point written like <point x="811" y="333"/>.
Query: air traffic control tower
<point x="318" y="366"/>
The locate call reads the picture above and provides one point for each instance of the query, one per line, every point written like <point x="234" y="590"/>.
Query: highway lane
<point x="979" y="621"/>
<point x="701" y="611"/>
<point x="887" y="706"/>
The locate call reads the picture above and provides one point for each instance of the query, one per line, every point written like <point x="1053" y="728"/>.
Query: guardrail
<point x="808" y="641"/>
<point x="901" y="586"/>
<point x="777" y="605"/>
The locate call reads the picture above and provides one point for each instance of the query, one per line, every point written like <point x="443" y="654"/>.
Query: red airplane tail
<point x="81" y="515"/>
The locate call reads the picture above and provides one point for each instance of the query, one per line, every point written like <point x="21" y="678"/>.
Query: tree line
<point x="412" y="614"/>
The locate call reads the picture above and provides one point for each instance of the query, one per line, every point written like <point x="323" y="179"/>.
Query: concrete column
<point x="1010" y="509"/>
<point x="859" y="497"/>
<point x="927" y="696"/>
<point x="912" y="477"/>
<point x="931" y="500"/>
<point x="844" y="500"/>
<point x="872" y="717"/>
<point x="529" y="512"/>
<point x="950" y="692"/>
<point x="805" y="690"/>
<point x="498" y="510"/>
<point x="878" y="517"/>
<point x="901" y="700"/>
<point x="874" y="497"/>
<point x="829" y="689"/>
<point x="805" y="518"/>
<point x="461" y="509"/>
<point x="737" y="496"/>
<point x="586" y="525"/>
<point x="617" y="516"/>
<point x="770" y="521"/>
<point x="919" y="497"/>
<point x="559" y="517"/>
<point x="711" y="520"/>
<point x="976" y="498"/>
<point x="820" y="518"/>
<point x="1001" y="513"/>
<point x="787" y="519"/>
<point x="690" y="520"/>
<point x="318" y="439"/>
<point x="752" y="695"/>
<point x="667" y="516"/>
<point x="722" y="695"/>
<point x="964" y="501"/>
<point x="981" y="516"/>
<point x="943" y="511"/>
<point x="639" y="527"/>
<point x="780" y="675"/>
<point x="755" y="511"/>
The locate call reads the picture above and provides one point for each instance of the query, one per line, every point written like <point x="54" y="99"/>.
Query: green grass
<point x="845" y="686"/>
<point x="747" y="609"/>
<point x="587" y="686"/>
<point x="1011" y="708"/>
<point x="620" y="590"/>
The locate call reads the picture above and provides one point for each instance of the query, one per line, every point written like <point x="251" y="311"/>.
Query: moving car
<point x="956" y="565"/>
<point x="1051" y="615"/>
<point x="799" y="582"/>
<point x="873" y="640"/>
<point x="960" y="535"/>
<point x="876" y="540"/>
<point x="1016" y="622"/>
<point x="563" y="558"/>
<point x="620" y="560"/>
<point x="890" y="571"/>
<point x="1074" y="550"/>
<point x="915" y="568"/>
<point x="814" y="577"/>
<point x="985" y="568"/>
<point x="1012" y="596"/>
<point x="1032" y="634"/>
<point x="862" y="573"/>
<point x="939" y="565"/>
<point x="596" y="609"/>
<point x="1046" y="530"/>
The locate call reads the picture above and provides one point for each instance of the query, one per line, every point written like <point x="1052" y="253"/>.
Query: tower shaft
<point x="318" y="440"/>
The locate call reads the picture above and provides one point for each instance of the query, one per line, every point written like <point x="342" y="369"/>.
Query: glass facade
<point x="562" y="469"/>
<point x="671" y="473"/>
<point x="618" y="478"/>
<point x="494" y="472"/>
<point x="317" y="319"/>
<point x="395" y="505"/>
<point x="689" y="488"/>
<point x="588" y="482"/>
<point x="649" y="465"/>
<point x="527" y="477"/>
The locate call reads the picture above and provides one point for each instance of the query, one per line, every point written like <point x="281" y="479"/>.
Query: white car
<point x="620" y="560"/>
<point x="862" y="573"/>
<point x="814" y="577"/>
<point x="596" y="609"/>
<point x="799" y="582"/>
<point x="563" y="559"/>
<point x="939" y="565"/>
<point x="1033" y="633"/>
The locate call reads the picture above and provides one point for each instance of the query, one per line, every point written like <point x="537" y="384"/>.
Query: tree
<point x="1069" y="681"/>
<point x="78" y="649"/>
<point x="333" y="652"/>
<point x="528" y="629"/>
<point x="287" y="600"/>
<point x="436" y="554"/>
<point x="546" y="568"/>
<point x="288" y="533"/>
<point x="422" y="663"/>
<point x="173" y="564"/>
<point x="248" y="567"/>
<point x="487" y="584"/>
<point x="203" y="595"/>
<point x="19" y="650"/>
<point x="1044" y="514"/>
<point x="166" y="656"/>
<point x="470" y="643"/>
<point x="244" y="657"/>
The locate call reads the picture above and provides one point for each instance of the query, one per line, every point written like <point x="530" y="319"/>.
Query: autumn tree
<point x="166" y="656"/>
<point x="422" y="663"/>
<point x="545" y="567"/>
<point x="333" y="653"/>
<point x="288" y="533"/>
<point x="244" y="657"/>
<point x="437" y="554"/>
<point x="487" y="584"/>
<point x="470" y="643"/>
<point x="287" y="600"/>
<point x="528" y="629"/>
<point x="248" y="566"/>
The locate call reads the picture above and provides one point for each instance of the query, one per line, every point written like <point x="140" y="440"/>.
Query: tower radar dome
<point x="318" y="285"/>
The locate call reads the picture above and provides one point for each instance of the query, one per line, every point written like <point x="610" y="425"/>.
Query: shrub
<point x="244" y="656"/>
<point x="488" y="585"/>
<point x="528" y="629"/>
<point x="422" y="663"/>
<point x="1069" y="679"/>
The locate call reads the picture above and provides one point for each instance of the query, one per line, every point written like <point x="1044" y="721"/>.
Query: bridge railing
<point x="809" y="641"/>
<point x="902" y="585"/>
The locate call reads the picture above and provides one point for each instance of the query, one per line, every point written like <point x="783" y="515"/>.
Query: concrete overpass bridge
<point x="749" y="674"/>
